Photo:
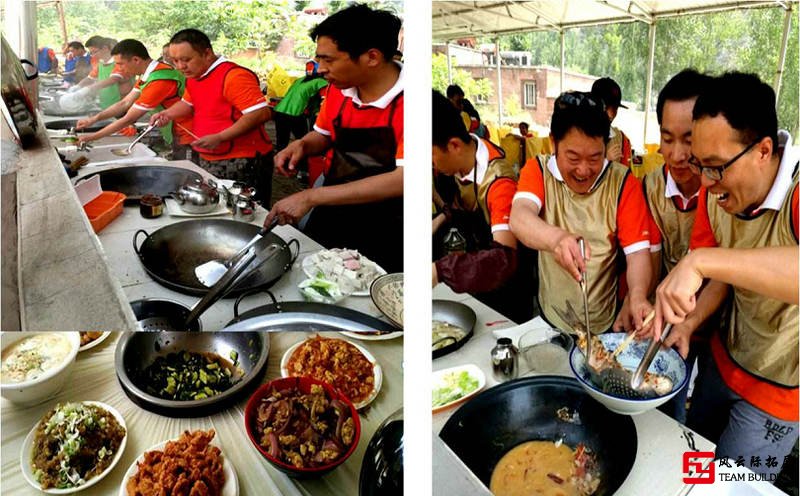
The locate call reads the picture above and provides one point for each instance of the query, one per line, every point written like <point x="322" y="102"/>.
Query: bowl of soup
<point x="35" y="366"/>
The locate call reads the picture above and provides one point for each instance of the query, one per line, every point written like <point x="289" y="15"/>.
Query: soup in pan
<point x="545" y="468"/>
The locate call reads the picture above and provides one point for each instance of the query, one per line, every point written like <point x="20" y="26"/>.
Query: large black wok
<point x="139" y="180"/>
<point x="487" y="427"/>
<point x="171" y="253"/>
<point x="70" y="123"/>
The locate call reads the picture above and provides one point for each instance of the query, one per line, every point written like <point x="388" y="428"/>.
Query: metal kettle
<point x="196" y="196"/>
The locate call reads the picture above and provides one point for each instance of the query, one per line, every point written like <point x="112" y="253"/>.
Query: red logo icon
<point x="693" y="469"/>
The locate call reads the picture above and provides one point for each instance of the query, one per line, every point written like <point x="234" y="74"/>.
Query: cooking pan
<point x="495" y="421"/>
<point x="171" y="253"/>
<point x="139" y="180"/>
<point x="303" y="309"/>
<point x="457" y="314"/>
<point x="70" y="123"/>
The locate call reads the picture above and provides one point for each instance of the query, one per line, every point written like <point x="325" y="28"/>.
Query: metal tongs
<point x="584" y="284"/>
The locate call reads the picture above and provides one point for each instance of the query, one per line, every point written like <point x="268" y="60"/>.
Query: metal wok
<point x="171" y="253"/>
<point x="139" y="180"/>
<point x="71" y="123"/>
<point x="488" y="426"/>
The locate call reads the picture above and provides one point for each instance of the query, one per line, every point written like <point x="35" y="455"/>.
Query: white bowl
<point x="667" y="362"/>
<point x="27" y="454"/>
<point x="45" y="386"/>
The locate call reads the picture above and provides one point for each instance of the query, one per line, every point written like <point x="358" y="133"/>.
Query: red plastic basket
<point x="103" y="209"/>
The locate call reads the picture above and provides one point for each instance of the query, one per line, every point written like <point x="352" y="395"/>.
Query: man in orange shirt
<point x="228" y="110"/>
<point x="744" y="241"/>
<point x="160" y="86"/>
<point x="575" y="194"/>
<point x="485" y="184"/>
<point x="360" y="203"/>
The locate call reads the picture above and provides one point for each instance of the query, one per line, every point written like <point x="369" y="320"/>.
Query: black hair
<point x="747" y="103"/>
<point x="100" y="42"/>
<point x="684" y="85"/>
<point x="194" y="37"/>
<point x="130" y="48"/>
<point x="77" y="45"/>
<point x="470" y="109"/>
<point x="447" y="122"/>
<point x="358" y="28"/>
<point x="523" y="123"/>
<point x="454" y="90"/>
<point x="580" y="110"/>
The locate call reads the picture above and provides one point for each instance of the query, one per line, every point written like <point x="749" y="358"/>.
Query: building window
<point x="529" y="92"/>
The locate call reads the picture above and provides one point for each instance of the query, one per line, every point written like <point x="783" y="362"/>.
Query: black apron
<point x="374" y="229"/>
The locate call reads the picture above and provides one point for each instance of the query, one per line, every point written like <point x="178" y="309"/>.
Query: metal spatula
<point x="122" y="152"/>
<point x="211" y="272"/>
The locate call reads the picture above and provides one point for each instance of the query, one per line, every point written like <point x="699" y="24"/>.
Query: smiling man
<point x="578" y="193"/>
<point x="745" y="238"/>
<point x="228" y="113"/>
<point x="359" y="204"/>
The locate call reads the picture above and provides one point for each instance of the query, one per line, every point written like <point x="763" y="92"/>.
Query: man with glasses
<point x="744" y="239"/>
<point x="105" y="78"/>
<point x="575" y="194"/>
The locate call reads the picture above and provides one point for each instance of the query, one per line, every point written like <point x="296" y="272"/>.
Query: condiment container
<point x="505" y="360"/>
<point x="151" y="206"/>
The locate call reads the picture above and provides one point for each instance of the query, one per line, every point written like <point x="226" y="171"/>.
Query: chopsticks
<point x="184" y="128"/>
<point x="627" y="341"/>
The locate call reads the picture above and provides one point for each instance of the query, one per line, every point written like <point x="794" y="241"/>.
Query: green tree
<point x="474" y="89"/>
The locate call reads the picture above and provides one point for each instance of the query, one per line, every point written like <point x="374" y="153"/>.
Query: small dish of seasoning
<point x="151" y="206"/>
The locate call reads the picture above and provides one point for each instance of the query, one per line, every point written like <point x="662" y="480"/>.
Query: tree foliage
<point x="475" y="90"/>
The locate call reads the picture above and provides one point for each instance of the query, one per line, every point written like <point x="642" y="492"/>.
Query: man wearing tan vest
<point x="574" y="194"/>
<point x="484" y="184"/>
<point x="744" y="241"/>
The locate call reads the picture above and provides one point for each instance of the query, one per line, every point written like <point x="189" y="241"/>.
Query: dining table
<point x="94" y="377"/>
<point x="661" y="443"/>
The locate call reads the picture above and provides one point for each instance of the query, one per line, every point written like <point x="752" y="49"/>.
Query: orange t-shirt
<point x="498" y="200"/>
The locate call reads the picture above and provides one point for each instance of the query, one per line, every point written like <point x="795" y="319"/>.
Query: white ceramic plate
<point x="27" y="454"/>
<point x="377" y="371"/>
<point x="471" y="369"/>
<point x="373" y="337"/>
<point x="310" y="269"/>
<point x="174" y="210"/>
<point x="92" y="344"/>
<point x="231" y="487"/>
<point x="387" y="294"/>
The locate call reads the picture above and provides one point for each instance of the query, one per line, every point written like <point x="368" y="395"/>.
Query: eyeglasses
<point x="715" y="172"/>
<point x="578" y="99"/>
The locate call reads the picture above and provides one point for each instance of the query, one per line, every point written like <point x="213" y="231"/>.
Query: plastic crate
<point x="103" y="209"/>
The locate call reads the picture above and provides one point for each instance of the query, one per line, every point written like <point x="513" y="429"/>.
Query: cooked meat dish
<point x="304" y="430"/>
<point x="189" y="466"/>
<point x="89" y="336"/>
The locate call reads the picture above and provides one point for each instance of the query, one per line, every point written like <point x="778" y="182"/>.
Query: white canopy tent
<point x="463" y="19"/>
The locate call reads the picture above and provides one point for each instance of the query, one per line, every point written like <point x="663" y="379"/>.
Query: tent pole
<point x="563" y="60"/>
<point x="449" y="64"/>
<point x="787" y="22"/>
<point x="499" y="85"/>
<point x="648" y="93"/>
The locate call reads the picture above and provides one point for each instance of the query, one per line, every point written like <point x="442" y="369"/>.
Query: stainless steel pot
<point x="196" y="196"/>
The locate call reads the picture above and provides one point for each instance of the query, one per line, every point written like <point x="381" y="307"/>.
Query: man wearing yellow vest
<point x="618" y="148"/>
<point x="575" y="194"/>
<point x="485" y="184"/>
<point x="744" y="241"/>
<point x="105" y="78"/>
<point x="160" y="86"/>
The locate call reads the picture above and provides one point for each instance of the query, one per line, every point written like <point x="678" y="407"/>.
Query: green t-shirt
<point x="300" y="92"/>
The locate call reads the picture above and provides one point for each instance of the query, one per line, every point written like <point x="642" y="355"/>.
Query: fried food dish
<point x="336" y="362"/>
<point x="304" y="430"/>
<point x="189" y="466"/>
<point x="89" y="336"/>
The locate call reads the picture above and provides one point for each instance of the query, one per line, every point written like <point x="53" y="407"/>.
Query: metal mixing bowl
<point x="135" y="351"/>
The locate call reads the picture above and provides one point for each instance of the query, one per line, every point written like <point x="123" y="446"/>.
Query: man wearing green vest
<point x="159" y="87"/>
<point x="104" y="78"/>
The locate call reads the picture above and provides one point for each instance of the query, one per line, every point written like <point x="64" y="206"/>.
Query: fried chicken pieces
<point x="189" y="466"/>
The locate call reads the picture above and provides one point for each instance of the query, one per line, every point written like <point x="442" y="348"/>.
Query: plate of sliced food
<point x="192" y="462"/>
<point x="346" y="366"/>
<point x="351" y="271"/>
<point x="73" y="447"/>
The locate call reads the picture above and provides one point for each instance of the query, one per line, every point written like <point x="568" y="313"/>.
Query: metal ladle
<point x="124" y="152"/>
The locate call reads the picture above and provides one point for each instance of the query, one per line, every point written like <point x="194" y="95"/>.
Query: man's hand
<point x="624" y="320"/>
<point x="568" y="254"/>
<point x="160" y="119"/>
<point x="82" y="123"/>
<point x="286" y="160"/>
<point x="208" y="142"/>
<point x="680" y="338"/>
<point x="640" y="308"/>
<point x="676" y="295"/>
<point x="292" y="208"/>
<point x="86" y="138"/>
<point x="614" y="152"/>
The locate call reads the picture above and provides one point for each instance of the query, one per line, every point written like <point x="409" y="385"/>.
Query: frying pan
<point x="171" y="253"/>
<point x="498" y="419"/>
<point x="136" y="181"/>
<point x="457" y="314"/>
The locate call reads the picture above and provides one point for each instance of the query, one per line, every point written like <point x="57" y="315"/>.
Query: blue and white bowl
<point x="667" y="362"/>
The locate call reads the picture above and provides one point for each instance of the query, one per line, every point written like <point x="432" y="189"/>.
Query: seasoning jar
<point x="454" y="242"/>
<point x="151" y="206"/>
<point x="505" y="360"/>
